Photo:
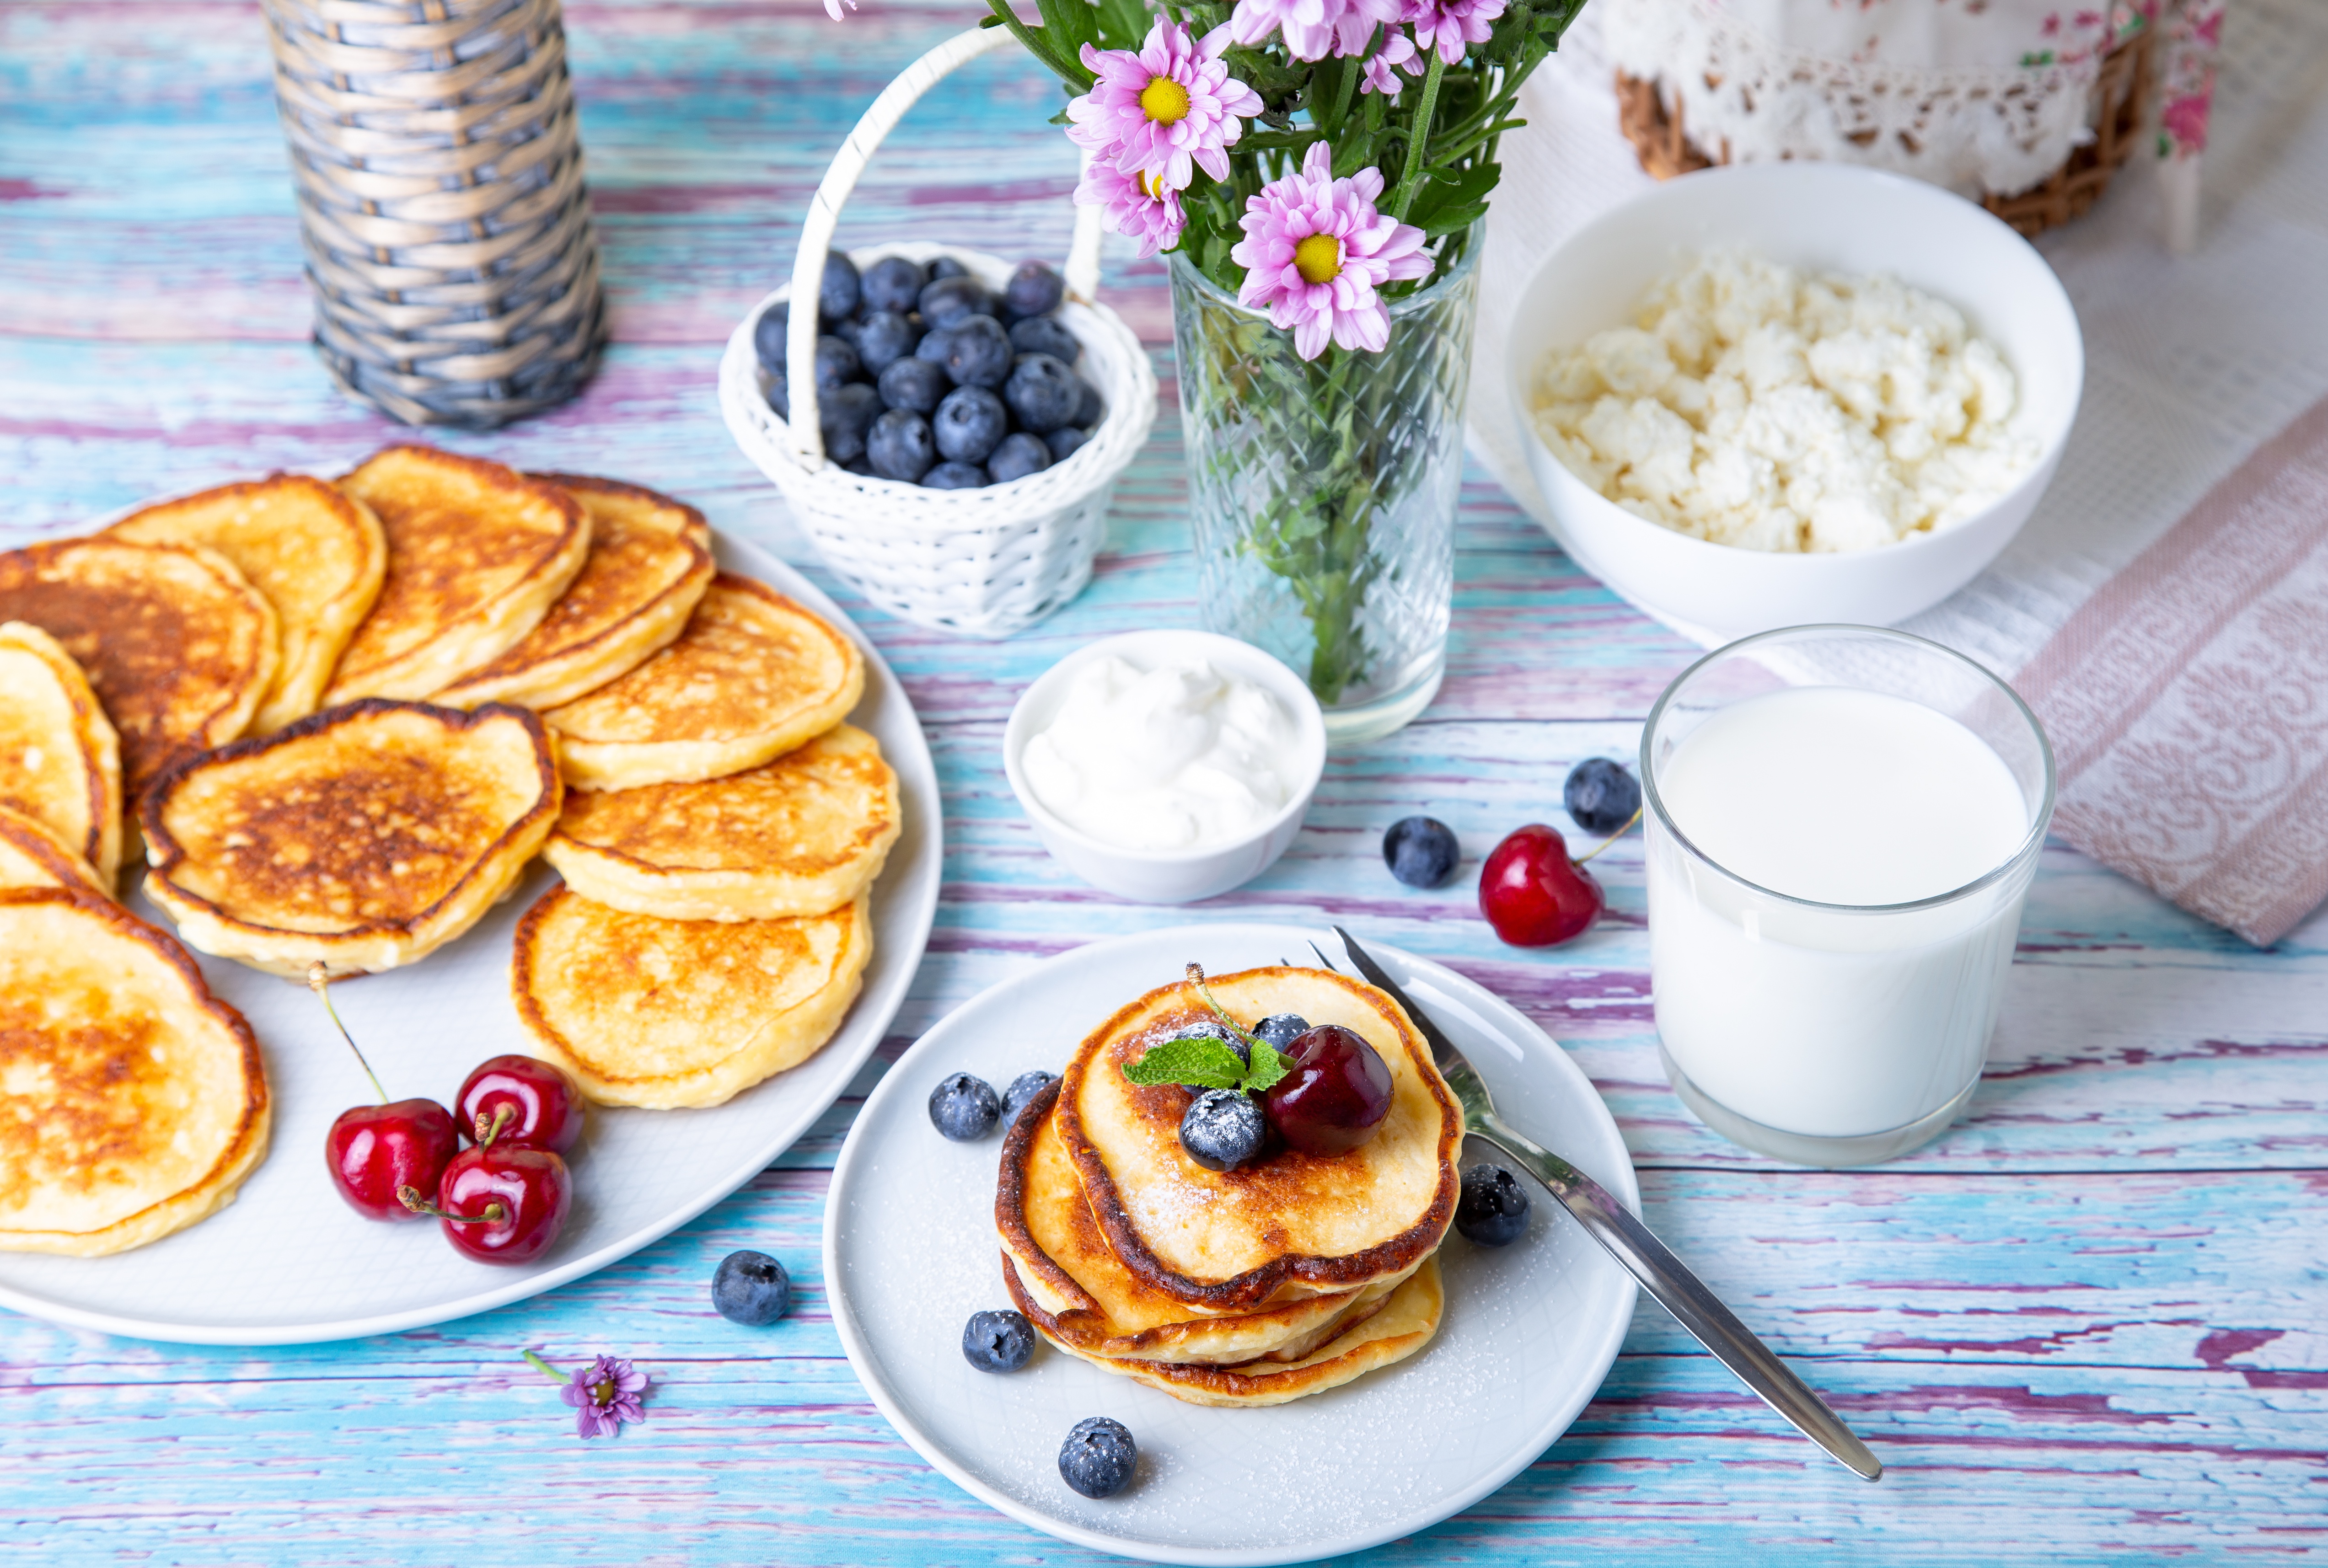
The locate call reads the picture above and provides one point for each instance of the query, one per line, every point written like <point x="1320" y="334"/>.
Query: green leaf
<point x="1122" y="24"/>
<point x="1068" y="25"/>
<point x="1192" y="1059"/>
<point x="1268" y="1065"/>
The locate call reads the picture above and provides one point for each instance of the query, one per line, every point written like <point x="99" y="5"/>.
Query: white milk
<point x="1819" y="1021"/>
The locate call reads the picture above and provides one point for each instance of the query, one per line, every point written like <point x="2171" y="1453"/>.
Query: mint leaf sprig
<point x="1201" y="1062"/>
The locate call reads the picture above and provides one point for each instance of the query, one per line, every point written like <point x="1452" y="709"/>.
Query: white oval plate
<point x="910" y="1254"/>
<point x="289" y="1263"/>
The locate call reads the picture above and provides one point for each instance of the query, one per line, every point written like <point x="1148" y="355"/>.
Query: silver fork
<point x="1628" y="1241"/>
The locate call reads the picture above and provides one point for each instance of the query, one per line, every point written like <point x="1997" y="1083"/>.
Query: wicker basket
<point x="2121" y="93"/>
<point x="441" y="204"/>
<point x="982" y="563"/>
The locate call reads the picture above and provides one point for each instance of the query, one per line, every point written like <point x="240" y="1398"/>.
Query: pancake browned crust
<point x="365" y="837"/>
<point x="1400" y="1326"/>
<point x="32" y="856"/>
<point x="670" y="1013"/>
<point x="476" y="555"/>
<point x="178" y="648"/>
<point x="650" y="562"/>
<point x="752" y="676"/>
<point x="800" y="835"/>
<point x="316" y="553"/>
<point x="59" y="759"/>
<point x="1288" y="1225"/>
<point x="133" y="1102"/>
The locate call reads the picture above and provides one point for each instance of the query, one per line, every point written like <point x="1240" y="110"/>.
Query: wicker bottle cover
<point x="441" y="204"/>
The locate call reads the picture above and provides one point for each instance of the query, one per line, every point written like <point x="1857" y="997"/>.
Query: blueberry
<point x="836" y="298"/>
<point x="844" y="414"/>
<point x="1044" y="335"/>
<point x="1044" y="393"/>
<point x="846" y="331"/>
<point x="861" y="466"/>
<point x="964" y="1108"/>
<point x="947" y="267"/>
<point x="1493" y="1207"/>
<point x="1222" y="1128"/>
<point x="837" y="364"/>
<point x="768" y="336"/>
<point x="751" y="1288"/>
<point x="1420" y="851"/>
<point x="932" y="349"/>
<point x="969" y="424"/>
<point x="998" y="1341"/>
<point x="1602" y="796"/>
<point x="1090" y="411"/>
<point x="1097" y="1457"/>
<point x="1019" y="456"/>
<point x="884" y="338"/>
<point x="1064" y="442"/>
<point x="949" y="299"/>
<point x="900" y="445"/>
<point x="780" y="394"/>
<point x="916" y="385"/>
<point x="893" y="283"/>
<point x="1280" y="1029"/>
<point x="1023" y="1088"/>
<point x="954" y="476"/>
<point x="978" y="353"/>
<point x="1033" y="290"/>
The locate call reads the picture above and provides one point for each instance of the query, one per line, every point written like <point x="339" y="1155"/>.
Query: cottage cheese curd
<point x="1760" y="405"/>
<point x="1183" y="756"/>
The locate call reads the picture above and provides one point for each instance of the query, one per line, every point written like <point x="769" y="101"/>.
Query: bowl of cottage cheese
<point x="1770" y="394"/>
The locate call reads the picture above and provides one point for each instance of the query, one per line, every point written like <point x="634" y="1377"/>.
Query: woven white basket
<point x="987" y="562"/>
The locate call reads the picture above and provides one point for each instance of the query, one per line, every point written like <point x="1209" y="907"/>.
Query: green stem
<point x="548" y="1371"/>
<point x="319" y="978"/>
<point x="1419" y="137"/>
<point x="1070" y="72"/>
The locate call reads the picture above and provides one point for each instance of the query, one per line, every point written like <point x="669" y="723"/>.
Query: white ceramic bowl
<point x="1170" y="876"/>
<point x="1835" y="217"/>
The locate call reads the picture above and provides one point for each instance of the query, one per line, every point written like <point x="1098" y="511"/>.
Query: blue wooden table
<point x="2087" y="1324"/>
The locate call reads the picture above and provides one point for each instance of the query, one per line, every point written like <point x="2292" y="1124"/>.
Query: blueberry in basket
<point x="955" y="476"/>
<point x="838" y="362"/>
<point x="1019" y="456"/>
<point x="915" y="385"/>
<point x="768" y="342"/>
<point x="964" y="1108"/>
<point x="1043" y="393"/>
<point x="969" y="424"/>
<point x="884" y="338"/>
<point x="1040" y="335"/>
<point x="949" y="299"/>
<point x="1064" y="442"/>
<point x="978" y="351"/>
<point x="1033" y="290"/>
<point x="844" y="415"/>
<point x="893" y="284"/>
<point x="900" y="447"/>
<point x="780" y="395"/>
<point x="837" y="298"/>
<point x="947" y="267"/>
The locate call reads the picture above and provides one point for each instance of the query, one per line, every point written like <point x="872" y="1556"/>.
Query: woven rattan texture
<point x="1660" y="137"/>
<point x="441" y="202"/>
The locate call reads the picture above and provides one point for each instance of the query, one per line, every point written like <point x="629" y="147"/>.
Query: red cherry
<point x="373" y="1150"/>
<point x="1532" y="893"/>
<point x="1335" y="1095"/>
<point x="544" y="1107"/>
<point x="504" y="1206"/>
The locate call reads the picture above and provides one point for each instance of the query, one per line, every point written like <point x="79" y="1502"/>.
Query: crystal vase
<point x="1323" y="492"/>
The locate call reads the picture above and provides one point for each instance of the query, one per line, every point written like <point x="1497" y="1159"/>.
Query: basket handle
<point x="1082" y="274"/>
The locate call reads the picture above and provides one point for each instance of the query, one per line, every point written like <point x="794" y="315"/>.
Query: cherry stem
<point x="1612" y="837"/>
<point x="410" y="1196"/>
<point x="501" y="1115"/>
<point x="1253" y="1042"/>
<point x="319" y="981"/>
<point x="546" y="1370"/>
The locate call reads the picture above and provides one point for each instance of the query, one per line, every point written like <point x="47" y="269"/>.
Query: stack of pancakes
<point x="341" y="718"/>
<point x="1274" y="1280"/>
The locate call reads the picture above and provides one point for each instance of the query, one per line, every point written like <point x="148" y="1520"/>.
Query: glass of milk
<point x="1842" y="823"/>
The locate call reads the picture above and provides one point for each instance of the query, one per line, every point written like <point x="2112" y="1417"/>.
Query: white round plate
<point x="288" y="1262"/>
<point x="910" y="1254"/>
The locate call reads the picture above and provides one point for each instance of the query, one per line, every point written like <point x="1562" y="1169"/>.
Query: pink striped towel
<point x="2187" y="700"/>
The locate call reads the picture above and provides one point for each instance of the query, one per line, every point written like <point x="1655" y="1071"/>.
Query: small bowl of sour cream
<point x="1165" y="766"/>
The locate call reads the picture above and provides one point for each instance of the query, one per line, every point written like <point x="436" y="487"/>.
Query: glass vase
<point x="1323" y="492"/>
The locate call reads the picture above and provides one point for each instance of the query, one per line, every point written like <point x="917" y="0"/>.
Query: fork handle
<point x="1683" y="1294"/>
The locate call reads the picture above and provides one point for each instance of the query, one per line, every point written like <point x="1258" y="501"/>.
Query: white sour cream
<point x="1183" y="756"/>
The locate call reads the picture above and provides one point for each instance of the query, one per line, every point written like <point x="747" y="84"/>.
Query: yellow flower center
<point x="1319" y="258"/>
<point x="602" y="1391"/>
<point x="1164" y="101"/>
<point x="1153" y="184"/>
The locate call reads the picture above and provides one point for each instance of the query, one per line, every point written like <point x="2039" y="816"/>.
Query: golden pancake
<point x="800" y="835"/>
<point x="1088" y="1299"/>
<point x="59" y="760"/>
<point x="365" y="837"/>
<point x="667" y="1013"/>
<point x="1402" y="1326"/>
<point x="476" y="555"/>
<point x="315" y="553"/>
<point x="132" y="1100"/>
<point x="1286" y="1226"/>
<point x="650" y="561"/>
<point x="752" y="677"/>
<point x="32" y="856"/>
<point x="178" y="648"/>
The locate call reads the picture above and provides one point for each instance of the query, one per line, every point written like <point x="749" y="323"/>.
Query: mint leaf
<point x="1268" y="1065"/>
<point x="1191" y="1059"/>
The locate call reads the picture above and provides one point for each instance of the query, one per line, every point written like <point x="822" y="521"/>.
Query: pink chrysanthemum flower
<point x="1397" y="49"/>
<point x="1138" y="206"/>
<point x="1168" y="110"/>
<point x="605" y="1394"/>
<point x="1315" y="251"/>
<point x="1454" y="25"/>
<point x="1313" y="29"/>
<point x="832" y="7"/>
